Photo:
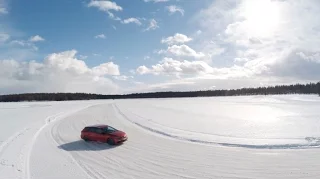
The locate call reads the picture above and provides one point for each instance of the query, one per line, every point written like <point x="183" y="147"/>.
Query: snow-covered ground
<point x="218" y="137"/>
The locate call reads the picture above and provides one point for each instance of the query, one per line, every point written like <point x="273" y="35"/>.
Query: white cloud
<point x="114" y="27"/>
<point x="83" y="56"/>
<point x="182" y="51"/>
<point x="112" y="16"/>
<point x="36" y="38"/>
<point x="131" y="20"/>
<point x="173" y="9"/>
<point x="176" y="39"/>
<point x="132" y="71"/>
<point x="106" y="69"/>
<point x="198" y="32"/>
<point x="4" y="37"/>
<point x="156" y="1"/>
<point x="142" y="70"/>
<point x="21" y="43"/>
<point x="170" y="66"/>
<point x="107" y="6"/>
<point x="59" y="72"/>
<point x="267" y="38"/>
<point x="248" y="44"/>
<point x="24" y="44"/>
<point x="3" y="10"/>
<point x="138" y="83"/>
<point x="122" y="78"/>
<point x="3" y="7"/>
<point x="173" y="85"/>
<point x="100" y="36"/>
<point x="241" y="59"/>
<point x="313" y="57"/>
<point x="153" y="24"/>
<point x="295" y="64"/>
<point x="188" y="84"/>
<point x="146" y="57"/>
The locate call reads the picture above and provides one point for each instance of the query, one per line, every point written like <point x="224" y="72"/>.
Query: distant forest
<point x="310" y="88"/>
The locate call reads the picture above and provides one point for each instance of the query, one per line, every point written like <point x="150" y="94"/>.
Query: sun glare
<point x="262" y="17"/>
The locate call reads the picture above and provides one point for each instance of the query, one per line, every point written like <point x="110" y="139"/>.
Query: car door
<point x="100" y="135"/>
<point x="91" y="134"/>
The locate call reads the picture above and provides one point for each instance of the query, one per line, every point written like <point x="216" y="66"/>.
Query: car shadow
<point x="82" y="145"/>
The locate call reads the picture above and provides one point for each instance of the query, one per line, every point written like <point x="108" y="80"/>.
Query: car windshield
<point x="109" y="129"/>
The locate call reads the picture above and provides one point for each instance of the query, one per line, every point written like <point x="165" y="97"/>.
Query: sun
<point x="261" y="17"/>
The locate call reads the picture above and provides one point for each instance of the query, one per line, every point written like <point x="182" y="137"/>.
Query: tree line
<point x="309" y="88"/>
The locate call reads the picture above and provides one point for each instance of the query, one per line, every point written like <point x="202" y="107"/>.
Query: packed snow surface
<point x="218" y="137"/>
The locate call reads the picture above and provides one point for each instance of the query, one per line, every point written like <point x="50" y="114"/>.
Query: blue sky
<point x="72" y="25"/>
<point x="126" y="46"/>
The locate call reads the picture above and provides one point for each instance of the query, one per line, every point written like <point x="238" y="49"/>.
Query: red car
<point x="103" y="133"/>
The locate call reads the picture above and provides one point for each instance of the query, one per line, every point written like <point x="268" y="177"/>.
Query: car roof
<point x="98" y="126"/>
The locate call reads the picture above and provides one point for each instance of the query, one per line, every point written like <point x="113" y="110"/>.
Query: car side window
<point x="98" y="130"/>
<point x="90" y="129"/>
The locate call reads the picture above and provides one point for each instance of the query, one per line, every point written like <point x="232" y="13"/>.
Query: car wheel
<point x="110" y="141"/>
<point x="85" y="138"/>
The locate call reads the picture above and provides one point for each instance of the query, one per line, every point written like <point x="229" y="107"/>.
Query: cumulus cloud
<point x="146" y="57"/>
<point x="131" y="20"/>
<point x="240" y="59"/>
<point x="182" y="51"/>
<point x="156" y="1"/>
<point x="266" y="37"/>
<point x="170" y="66"/>
<point x="248" y="43"/>
<point x="198" y="32"/>
<point x="175" y="9"/>
<point x="112" y="16"/>
<point x="297" y="65"/>
<point x="4" y="37"/>
<point x="106" y="69"/>
<point x="176" y="39"/>
<point x="153" y="24"/>
<point x="3" y="10"/>
<point x="122" y="78"/>
<point x="36" y="38"/>
<point x="106" y="6"/>
<point x="192" y="84"/>
<point x="24" y="44"/>
<point x="142" y="70"/>
<point x="83" y="56"/>
<point x="313" y="57"/>
<point x="100" y="36"/>
<point x="59" y="72"/>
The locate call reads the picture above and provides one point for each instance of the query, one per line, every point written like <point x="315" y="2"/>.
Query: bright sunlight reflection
<point x="262" y="17"/>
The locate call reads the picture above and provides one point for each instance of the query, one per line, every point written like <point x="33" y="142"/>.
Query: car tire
<point x="110" y="141"/>
<point x="85" y="138"/>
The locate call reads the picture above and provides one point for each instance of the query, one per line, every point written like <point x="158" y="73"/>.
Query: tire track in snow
<point x="49" y="120"/>
<point x="111" y="164"/>
<point x="34" y="138"/>
<point x="162" y="157"/>
<point x="5" y="144"/>
<point x="15" y="157"/>
<point x="11" y="139"/>
<point x="52" y="121"/>
<point x="86" y="168"/>
<point x="311" y="144"/>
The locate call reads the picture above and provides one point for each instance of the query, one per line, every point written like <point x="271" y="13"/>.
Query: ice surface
<point x="218" y="137"/>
